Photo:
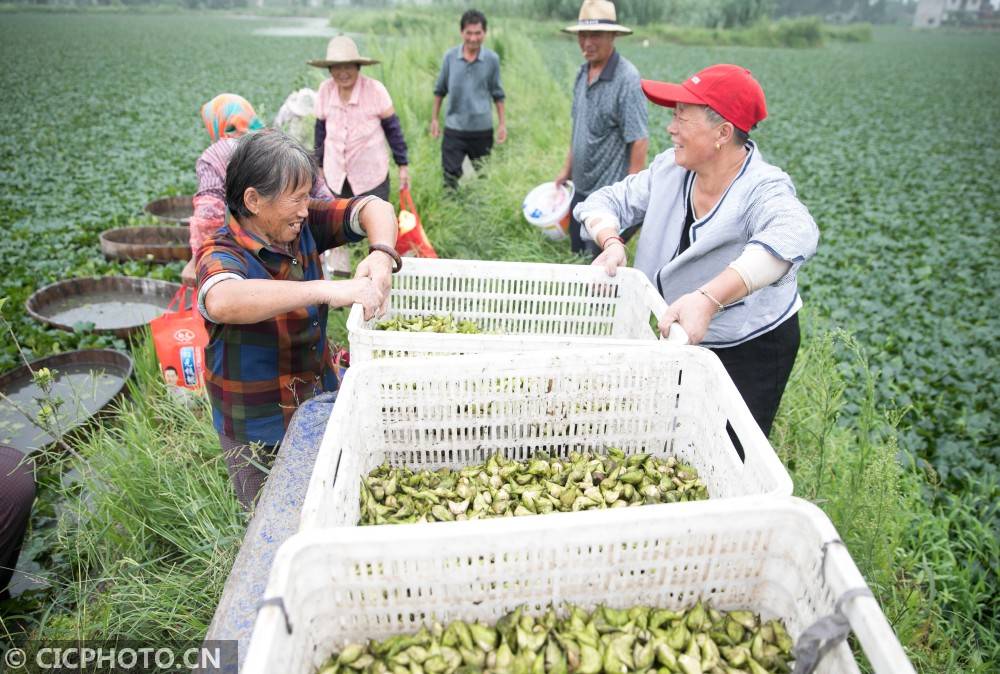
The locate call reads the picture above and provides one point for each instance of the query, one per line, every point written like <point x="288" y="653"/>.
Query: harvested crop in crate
<point x="700" y="640"/>
<point x="506" y="487"/>
<point x="429" y="324"/>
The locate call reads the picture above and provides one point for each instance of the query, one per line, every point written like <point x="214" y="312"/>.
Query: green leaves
<point x="90" y="137"/>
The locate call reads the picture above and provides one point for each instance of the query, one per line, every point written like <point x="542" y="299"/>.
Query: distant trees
<point x="873" y="11"/>
<point x="704" y="13"/>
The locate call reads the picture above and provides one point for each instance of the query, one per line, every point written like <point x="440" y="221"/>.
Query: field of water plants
<point x="889" y="423"/>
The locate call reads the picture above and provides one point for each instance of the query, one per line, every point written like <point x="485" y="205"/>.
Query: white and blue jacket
<point x="759" y="208"/>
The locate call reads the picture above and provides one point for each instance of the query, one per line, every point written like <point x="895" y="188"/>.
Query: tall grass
<point x="146" y="527"/>
<point x="795" y="33"/>
<point x="702" y="13"/>
<point x="936" y="598"/>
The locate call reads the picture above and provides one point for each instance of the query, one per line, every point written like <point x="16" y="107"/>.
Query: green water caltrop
<point x="504" y="487"/>
<point x="641" y="639"/>
<point x="444" y="324"/>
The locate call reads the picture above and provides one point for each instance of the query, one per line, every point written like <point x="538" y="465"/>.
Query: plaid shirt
<point x="258" y="374"/>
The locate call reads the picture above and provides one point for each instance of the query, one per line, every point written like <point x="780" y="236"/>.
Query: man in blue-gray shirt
<point x="610" y="127"/>
<point x="470" y="77"/>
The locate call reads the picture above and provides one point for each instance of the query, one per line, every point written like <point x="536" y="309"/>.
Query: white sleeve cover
<point x="759" y="268"/>
<point x="210" y="283"/>
<point x="600" y="222"/>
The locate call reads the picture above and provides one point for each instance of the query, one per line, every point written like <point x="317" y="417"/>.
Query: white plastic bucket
<point x="547" y="207"/>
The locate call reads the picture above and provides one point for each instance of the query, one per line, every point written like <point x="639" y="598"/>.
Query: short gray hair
<point x="740" y="137"/>
<point x="268" y="161"/>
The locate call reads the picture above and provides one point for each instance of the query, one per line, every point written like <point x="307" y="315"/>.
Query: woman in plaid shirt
<point x="261" y="290"/>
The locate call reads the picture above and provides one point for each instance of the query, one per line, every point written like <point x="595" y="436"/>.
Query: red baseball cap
<point x="729" y="90"/>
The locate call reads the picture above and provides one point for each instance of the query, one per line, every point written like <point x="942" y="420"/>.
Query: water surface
<point x="83" y="389"/>
<point x="107" y="310"/>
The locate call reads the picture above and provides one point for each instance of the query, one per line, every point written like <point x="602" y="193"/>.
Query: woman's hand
<point x="189" y="275"/>
<point x="377" y="268"/>
<point x="501" y="133"/>
<point x="363" y="291"/>
<point x="612" y="257"/>
<point x="693" y="312"/>
<point x="435" y="128"/>
<point x="404" y="177"/>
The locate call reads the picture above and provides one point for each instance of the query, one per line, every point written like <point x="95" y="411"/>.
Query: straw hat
<point x="342" y="49"/>
<point x="598" y="15"/>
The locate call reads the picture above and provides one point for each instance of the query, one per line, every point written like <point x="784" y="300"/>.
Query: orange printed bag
<point x="180" y="338"/>
<point x="411" y="240"/>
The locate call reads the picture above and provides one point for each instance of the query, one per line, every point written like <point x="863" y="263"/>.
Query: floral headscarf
<point x="229" y="116"/>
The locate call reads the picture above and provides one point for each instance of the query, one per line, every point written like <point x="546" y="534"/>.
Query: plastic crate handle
<point x="280" y="603"/>
<point x="823" y="635"/>
<point x="657" y="306"/>
<point x="677" y="335"/>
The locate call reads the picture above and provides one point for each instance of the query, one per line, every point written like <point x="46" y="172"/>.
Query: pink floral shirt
<point x="355" y="146"/>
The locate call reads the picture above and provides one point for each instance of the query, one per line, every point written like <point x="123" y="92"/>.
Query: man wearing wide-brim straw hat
<point x="610" y="124"/>
<point x="598" y="15"/>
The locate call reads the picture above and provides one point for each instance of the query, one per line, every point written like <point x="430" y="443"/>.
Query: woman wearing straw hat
<point x="354" y="119"/>
<point x="723" y="234"/>
<point x="227" y="117"/>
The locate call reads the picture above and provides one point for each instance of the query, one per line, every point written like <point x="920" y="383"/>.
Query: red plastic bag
<point x="180" y="338"/>
<point x="411" y="240"/>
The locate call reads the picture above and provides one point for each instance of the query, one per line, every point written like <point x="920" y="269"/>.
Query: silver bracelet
<point x="716" y="302"/>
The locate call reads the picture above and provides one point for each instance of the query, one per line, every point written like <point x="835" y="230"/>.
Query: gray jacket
<point x="760" y="207"/>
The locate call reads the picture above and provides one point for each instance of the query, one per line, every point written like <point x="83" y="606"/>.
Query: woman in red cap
<point x="723" y="234"/>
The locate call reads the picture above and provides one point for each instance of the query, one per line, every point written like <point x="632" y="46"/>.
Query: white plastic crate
<point x="457" y="411"/>
<point x="528" y="306"/>
<point x="776" y="556"/>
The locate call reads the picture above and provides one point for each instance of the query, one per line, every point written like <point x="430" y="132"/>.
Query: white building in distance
<point x="934" y="13"/>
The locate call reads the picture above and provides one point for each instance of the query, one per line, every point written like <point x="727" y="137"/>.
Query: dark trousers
<point x="457" y="145"/>
<point x="577" y="243"/>
<point x="760" y="369"/>
<point x="17" y="493"/>
<point x="381" y="190"/>
<point x="248" y="467"/>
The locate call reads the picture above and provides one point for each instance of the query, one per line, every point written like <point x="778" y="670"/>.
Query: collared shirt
<point x="471" y="87"/>
<point x="355" y="142"/>
<point x="210" y="199"/>
<point x="758" y="209"/>
<point x="258" y="374"/>
<point x="608" y="115"/>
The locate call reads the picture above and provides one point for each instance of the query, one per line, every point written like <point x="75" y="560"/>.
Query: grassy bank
<point x="140" y="539"/>
<point x="933" y="592"/>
